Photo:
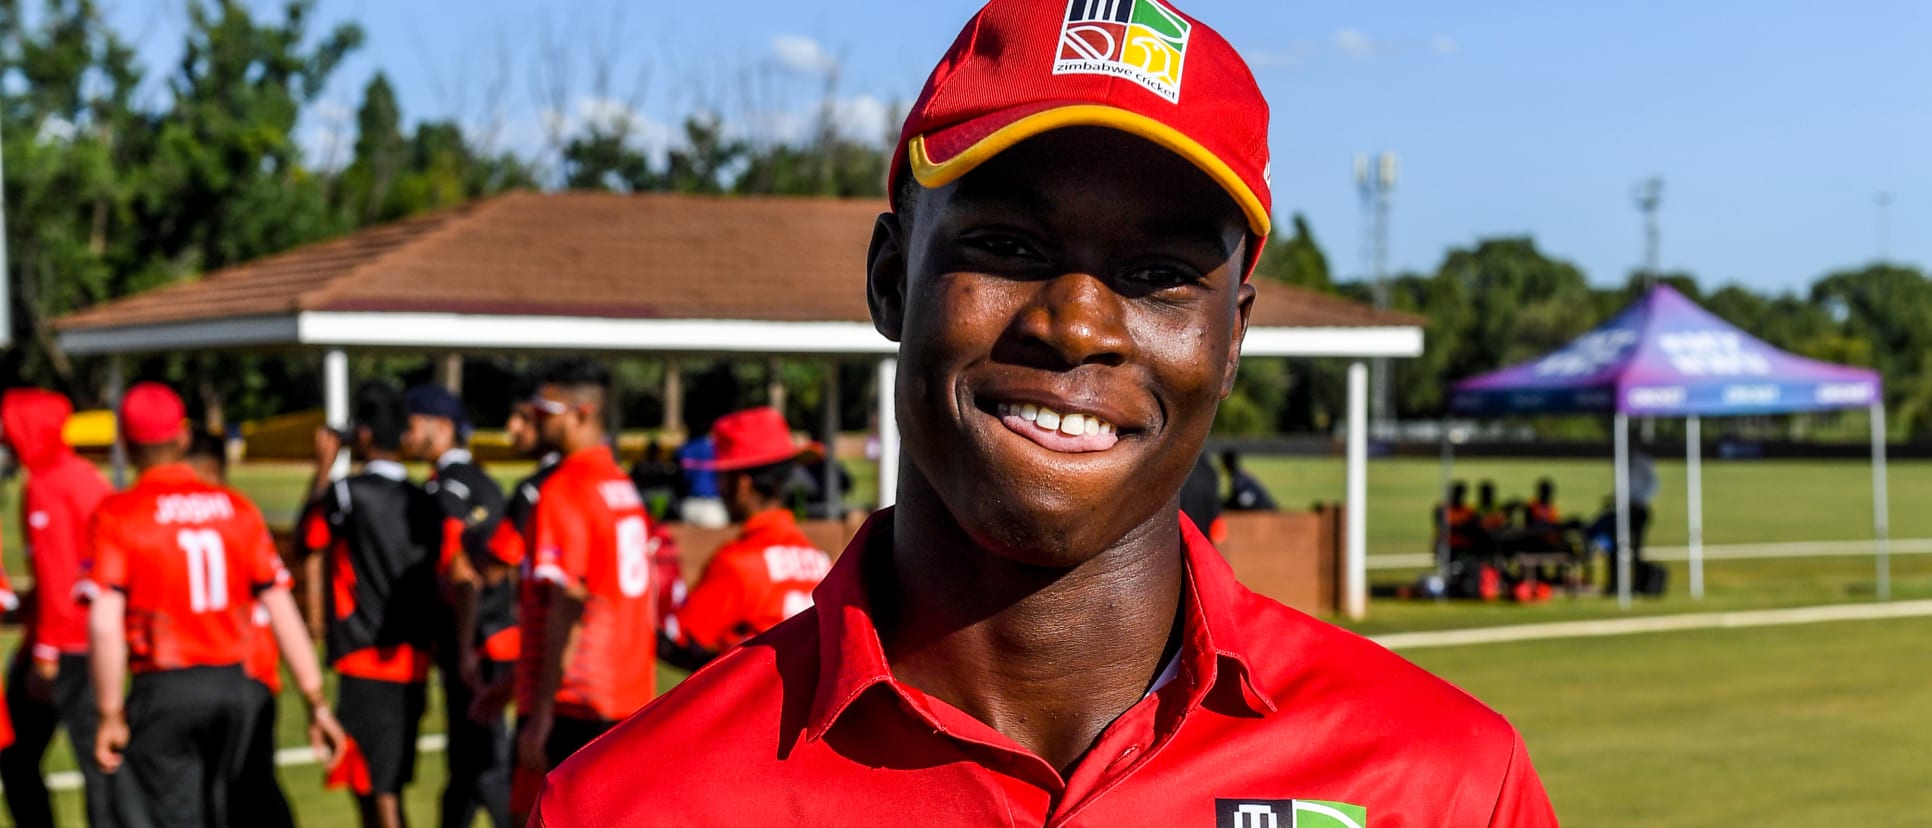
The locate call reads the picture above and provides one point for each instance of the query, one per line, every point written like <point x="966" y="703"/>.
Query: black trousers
<point x="72" y="707"/>
<point x="258" y="797"/>
<point x="188" y="731"/>
<point x="479" y="755"/>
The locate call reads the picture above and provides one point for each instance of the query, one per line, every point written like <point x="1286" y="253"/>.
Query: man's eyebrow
<point x="1010" y="195"/>
<point x="1194" y="232"/>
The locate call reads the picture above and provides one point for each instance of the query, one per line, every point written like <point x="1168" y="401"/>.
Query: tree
<point x="364" y="189"/>
<point x="65" y="91"/>
<point x="1296" y="259"/>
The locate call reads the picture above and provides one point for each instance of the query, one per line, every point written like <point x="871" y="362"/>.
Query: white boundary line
<point x="1655" y="623"/>
<point x="1727" y="552"/>
<point x="286" y="757"/>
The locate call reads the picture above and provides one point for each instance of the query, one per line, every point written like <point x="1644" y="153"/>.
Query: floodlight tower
<point x="1649" y="195"/>
<point x="1375" y="180"/>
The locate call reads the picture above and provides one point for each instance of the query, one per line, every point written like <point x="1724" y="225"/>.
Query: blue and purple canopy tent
<point x="1666" y="357"/>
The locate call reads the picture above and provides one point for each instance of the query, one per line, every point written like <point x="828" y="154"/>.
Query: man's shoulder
<point x="732" y="723"/>
<point x="1305" y="664"/>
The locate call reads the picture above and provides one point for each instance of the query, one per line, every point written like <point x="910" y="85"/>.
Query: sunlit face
<point x="521" y="428"/>
<point x="1069" y="317"/>
<point x="553" y="416"/>
<point x="425" y="433"/>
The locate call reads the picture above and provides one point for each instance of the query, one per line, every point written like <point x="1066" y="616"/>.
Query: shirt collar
<point x="168" y="473"/>
<point x="386" y="468"/>
<point x="852" y="659"/>
<point x="770" y="520"/>
<point x="452" y="457"/>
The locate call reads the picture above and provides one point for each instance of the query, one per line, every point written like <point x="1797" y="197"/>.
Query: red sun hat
<point x="752" y="438"/>
<point x="152" y="413"/>
<point x="1025" y="67"/>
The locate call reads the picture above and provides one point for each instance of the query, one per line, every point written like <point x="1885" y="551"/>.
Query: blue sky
<point x="1774" y="123"/>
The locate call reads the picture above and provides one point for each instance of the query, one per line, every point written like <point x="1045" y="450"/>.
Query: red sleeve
<point x="1522" y="803"/>
<point x="714" y="608"/>
<point x="452" y="544"/>
<point x="561" y="539"/>
<point x="108" y="552"/>
<point x="264" y="561"/>
<point x="507" y="544"/>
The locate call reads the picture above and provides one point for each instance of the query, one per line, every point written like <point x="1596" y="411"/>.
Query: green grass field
<point x="1810" y="725"/>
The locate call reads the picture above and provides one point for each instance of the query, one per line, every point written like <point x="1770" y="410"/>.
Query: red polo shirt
<point x="1269" y="711"/>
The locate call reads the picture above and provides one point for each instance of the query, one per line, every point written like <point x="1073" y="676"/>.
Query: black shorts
<point x="569" y="735"/>
<point x="384" y="717"/>
<point x="188" y="730"/>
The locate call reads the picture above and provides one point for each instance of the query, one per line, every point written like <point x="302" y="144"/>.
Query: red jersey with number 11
<point x="589" y="531"/>
<point x="190" y="557"/>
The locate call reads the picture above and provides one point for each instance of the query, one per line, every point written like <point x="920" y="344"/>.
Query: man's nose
<point x="1075" y="319"/>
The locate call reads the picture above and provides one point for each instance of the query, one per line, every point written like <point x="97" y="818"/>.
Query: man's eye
<point x="1160" y="277"/>
<point x="1004" y="247"/>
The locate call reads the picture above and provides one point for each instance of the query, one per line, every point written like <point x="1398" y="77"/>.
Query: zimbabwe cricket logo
<point x="1141" y="40"/>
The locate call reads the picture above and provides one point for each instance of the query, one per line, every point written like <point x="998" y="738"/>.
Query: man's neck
<point x="578" y="442"/>
<point x="1048" y="657"/>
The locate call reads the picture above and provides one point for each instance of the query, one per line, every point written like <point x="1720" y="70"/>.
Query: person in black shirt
<point x="380" y="534"/>
<point x="474" y="643"/>
<point x="1245" y="493"/>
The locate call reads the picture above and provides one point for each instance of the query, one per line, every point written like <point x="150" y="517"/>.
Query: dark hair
<point x="906" y="195"/>
<point x="379" y="408"/>
<point x="1545" y="488"/>
<point x="204" y="443"/>
<point x="575" y="373"/>
<point x="770" y="482"/>
<point x="1458" y="491"/>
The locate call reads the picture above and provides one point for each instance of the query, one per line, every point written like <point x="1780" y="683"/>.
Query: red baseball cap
<point x="152" y="413"/>
<point x="1024" y="67"/>
<point x="752" y="438"/>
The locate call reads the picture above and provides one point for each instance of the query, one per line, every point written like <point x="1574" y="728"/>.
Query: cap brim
<point x="808" y="453"/>
<point x="942" y="156"/>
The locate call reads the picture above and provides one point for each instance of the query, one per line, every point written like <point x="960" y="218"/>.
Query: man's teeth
<point x="1072" y="425"/>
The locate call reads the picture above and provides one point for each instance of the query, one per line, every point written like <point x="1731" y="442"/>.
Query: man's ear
<point x="1244" y="305"/>
<point x="885" y="276"/>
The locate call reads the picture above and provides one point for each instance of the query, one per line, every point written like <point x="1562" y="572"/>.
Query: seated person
<point x="1491" y="515"/>
<point x="1543" y="524"/>
<point x="1466" y="536"/>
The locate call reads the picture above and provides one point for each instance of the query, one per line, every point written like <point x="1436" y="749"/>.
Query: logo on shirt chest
<point x="1288" y="813"/>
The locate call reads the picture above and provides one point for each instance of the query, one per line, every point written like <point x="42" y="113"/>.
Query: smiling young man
<point x="1034" y="636"/>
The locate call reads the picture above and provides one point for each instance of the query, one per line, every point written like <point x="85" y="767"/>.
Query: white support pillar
<point x="116" y="388"/>
<point x="449" y="372"/>
<point x="1355" y="569"/>
<point x="673" y="397"/>
<point x="1694" y="490"/>
<point x="888" y="432"/>
<point x="834" y="499"/>
<point x="1622" y="439"/>
<point x="335" y="402"/>
<point x="1881" y="512"/>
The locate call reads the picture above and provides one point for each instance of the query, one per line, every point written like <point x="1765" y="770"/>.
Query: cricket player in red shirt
<point x="48" y="683"/>
<point x="258" y="799"/>
<point x="179" y="565"/>
<point x="381" y="534"/>
<point x="767" y="573"/>
<point x="589" y="631"/>
<point x="1035" y="635"/>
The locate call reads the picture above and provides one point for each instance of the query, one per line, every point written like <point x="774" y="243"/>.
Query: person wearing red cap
<point x="48" y="685"/>
<point x="179" y="565"/>
<point x="589" y="625"/>
<point x="379" y="534"/>
<point x="1034" y="635"/>
<point x="767" y="573"/>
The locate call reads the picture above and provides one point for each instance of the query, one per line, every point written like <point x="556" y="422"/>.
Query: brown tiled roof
<point x="598" y="254"/>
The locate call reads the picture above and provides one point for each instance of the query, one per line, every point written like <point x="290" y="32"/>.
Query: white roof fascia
<point x="1404" y="341"/>
<point x="238" y="332"/>
<point x="446" y="331"/>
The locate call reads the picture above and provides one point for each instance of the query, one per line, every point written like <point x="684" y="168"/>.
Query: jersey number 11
<point x="207" y="569"/>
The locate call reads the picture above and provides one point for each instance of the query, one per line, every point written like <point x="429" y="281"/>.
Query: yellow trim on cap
<point x="933" y="175"/>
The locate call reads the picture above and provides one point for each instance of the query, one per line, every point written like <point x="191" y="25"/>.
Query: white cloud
<point x="1354" y="43"/>
<point x="803" y="55"/>
<point x="327" y="135"/>
<point x="1295" y="55"/>
<point x="863" y="118"/>
<point x="56" y="130"/>
<point x="1443" y="45"/>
